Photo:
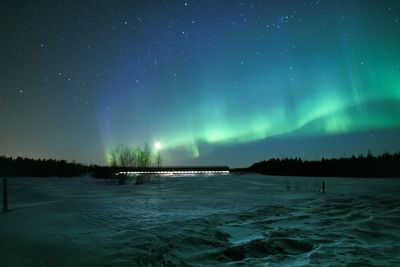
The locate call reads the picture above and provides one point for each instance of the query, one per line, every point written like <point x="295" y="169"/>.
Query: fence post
<point x="323" y="186"/>
<point x="5" y="196"/>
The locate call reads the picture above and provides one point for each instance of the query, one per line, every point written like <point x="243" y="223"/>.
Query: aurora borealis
<point x="215" y="82"/>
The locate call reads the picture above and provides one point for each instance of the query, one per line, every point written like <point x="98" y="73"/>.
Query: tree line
<point x="125" y="159"/>
<point x="40" y="167"/>
<point x="121" y="160"/>
<point x="385" y="165"/>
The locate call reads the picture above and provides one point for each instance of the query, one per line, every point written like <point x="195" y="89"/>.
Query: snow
<point x="234" y="220"/>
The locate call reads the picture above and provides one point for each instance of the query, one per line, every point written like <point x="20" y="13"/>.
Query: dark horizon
<point x="369" y="165"/>
<point x="73" y="161"/>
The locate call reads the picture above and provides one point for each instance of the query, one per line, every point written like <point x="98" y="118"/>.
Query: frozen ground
<point x="241" y="220"/>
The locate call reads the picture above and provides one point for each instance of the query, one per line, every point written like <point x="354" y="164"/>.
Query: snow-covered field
<point x="237" y="220"/>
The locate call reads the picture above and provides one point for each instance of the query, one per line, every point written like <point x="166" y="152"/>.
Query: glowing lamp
<point x="157" y="145"/>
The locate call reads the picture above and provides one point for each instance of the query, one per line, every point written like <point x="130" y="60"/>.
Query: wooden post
<point x="5" y="196"/>
<point x="323" y="186"/>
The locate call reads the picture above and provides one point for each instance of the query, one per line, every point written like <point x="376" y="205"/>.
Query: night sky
<point x="214" y="82"/>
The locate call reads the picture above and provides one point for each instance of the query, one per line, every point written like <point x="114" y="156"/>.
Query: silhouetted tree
<point x="125" y="159"/>
<point x="144" y="159"/>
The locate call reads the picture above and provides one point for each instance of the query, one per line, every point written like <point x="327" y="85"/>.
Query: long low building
<point x="173" y="170"/>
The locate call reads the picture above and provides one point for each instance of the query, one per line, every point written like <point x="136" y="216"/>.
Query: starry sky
<point x="212" y="82"/>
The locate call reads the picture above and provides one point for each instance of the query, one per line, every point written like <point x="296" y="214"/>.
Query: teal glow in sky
<point x="214" y="82"/>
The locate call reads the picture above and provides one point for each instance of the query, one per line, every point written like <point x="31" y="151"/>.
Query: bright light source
<point x="157" y="145"/>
